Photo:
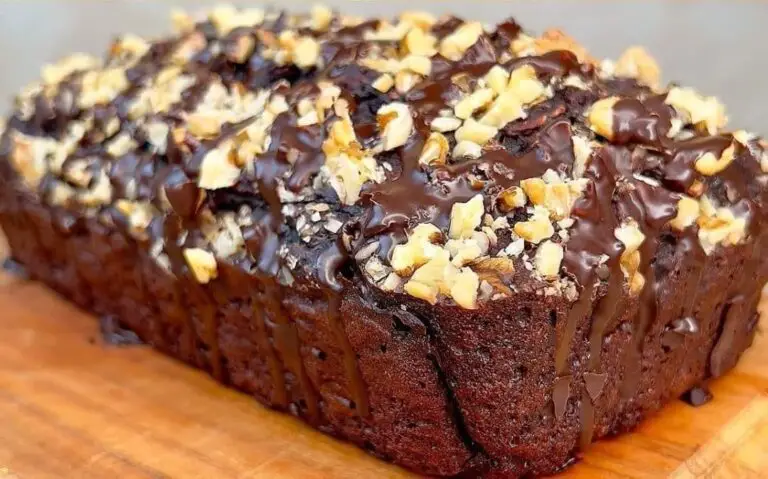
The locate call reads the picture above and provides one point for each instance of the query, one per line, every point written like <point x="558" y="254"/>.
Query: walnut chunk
<point x="548" y="258"/>
<point x="632" y="238"/>
<point x="497" y="79"/>
<point x="306" y="52"/>
<point x="28" y="157"/>
<point x="202" y="264"/>
<point x="384" y="83"/>
<point x="205" y="123"/>
<point x="506" y="108"/>
<point x="466" y="217"/>
<point x="708" y="164"/>
<point x="687" y="213"/>
<point x="719" y="226"/>
<point x="121" y="144"/>
<point x="476" y="100"/>
<point x="226" y="18"/>
<point x="321" y="17"/>
<point x="475" y="132"/>
<point x="420" y="248"/>
<point x="537" y="228"/>
<point x="511" y="198"/>
<point x="419" y="42"/>
<point x="455" y="44"/>
<point x="600" y="117"/>
<point x="582" y="151"/>
<point x="56" y="72"/>
<point x="445" y="124"/>
<point x="438" y="275"/>
<point x="181" y="21"/>
<point x="465" y="287"/>
<point x="219" y="168"/>
<point x="525" y="85"/>
<point x="435" y="150"/>
<point x="467" y="149"/>
<point x="637" y="63"/>
<point x="396" y="123"/>
<point x="101" y="86"/>
<point x="705" y="112"/>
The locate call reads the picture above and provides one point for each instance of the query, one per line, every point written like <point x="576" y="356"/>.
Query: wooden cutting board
<point x="71" y="407"/>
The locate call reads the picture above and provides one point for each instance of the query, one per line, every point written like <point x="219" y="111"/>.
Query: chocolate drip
<point x="330" y="262"/>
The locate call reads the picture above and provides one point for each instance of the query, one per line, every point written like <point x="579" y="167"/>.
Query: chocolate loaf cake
<point x="469" y="250"/>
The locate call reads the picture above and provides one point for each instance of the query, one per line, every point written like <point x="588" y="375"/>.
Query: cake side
<point x="468" y="250"/>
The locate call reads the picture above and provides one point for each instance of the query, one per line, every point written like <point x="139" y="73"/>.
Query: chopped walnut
<point x="537" y="228"/>
<point x="506" y="108"/>
<point x="475" y="132"/>
<point x="226" y="18"/>
<point x="632" y="238"/>
<point x="139" y="215"/>
<point x="497" y="79"/>
<point x="121" y="144"/>
<point x="464" y="251"/>
<point x="435" y="150"/>
<point x="420" y="248"/>
<point x="555" y="195"/>
<point x="550" y="40"/>
<point x="476" y="100"/>
<point x="101" y="86"/>
<point x="419" y="42"/>
<point x="396" y="123"/>
<point x="445" y="124"/>
<point x="708" y="164"/>
<point x="600" y="117"/>
<point x="719" y="226"/>
<point x="321" y="18"/>
<point x="384" y="83"/>
<point x="219" y="168"/>
<point x="202" y="264"/>
<point x="549" y="256"/>
<point x="29" y="157"/>
<point x="525" y="85"/>
<point x="705" y="112"/>
<point x="454" y="45"/>
<point x="582" y="151"/>
<point x="511" y="198"/>
<point x="438" y="275"/>
<point x="56" y="72"/>
<point x="636" y="63"/>
<point x="687" y="213"/>
<point x="466" y="217"/>
<point x="468" y="149"/>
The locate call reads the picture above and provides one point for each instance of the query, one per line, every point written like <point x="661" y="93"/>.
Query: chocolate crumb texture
<point x="469" y="249"/>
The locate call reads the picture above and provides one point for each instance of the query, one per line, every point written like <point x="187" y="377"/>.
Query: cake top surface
<point x="436" y="157"/>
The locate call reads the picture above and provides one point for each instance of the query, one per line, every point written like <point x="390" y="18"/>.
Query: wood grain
<point x="71" y="407"/>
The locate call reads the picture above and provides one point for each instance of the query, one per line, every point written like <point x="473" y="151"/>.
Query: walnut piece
<point x="396" y="123"/>
<point x="435" y="150"/>
<point x="420" y="248"/>
<point x="687" y="213"/>
<point x="708" y="164"/>
<point x="201" y="263"/>
<point x="548" y="258"/>
<point x="600" y="117"/>
<point x="705" y="112"/>
<point x="632" y="238"/>
<point x="466" y="217"/>
<point x="454" y="45"/>
<point x="537" y="228"/>
<point x="219" y="168"/>
<point x="637" y="63"/>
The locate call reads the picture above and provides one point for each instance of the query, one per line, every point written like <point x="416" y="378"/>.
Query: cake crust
<point x="469" y="250"/>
